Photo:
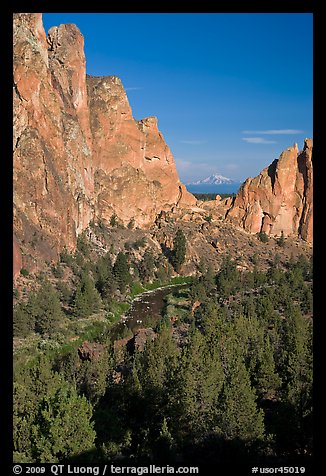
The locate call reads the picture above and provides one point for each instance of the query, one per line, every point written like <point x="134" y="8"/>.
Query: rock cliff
<point x="280" y="198"/>
<point x="79" y="155"/>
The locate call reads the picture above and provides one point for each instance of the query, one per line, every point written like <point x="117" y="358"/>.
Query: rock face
<point x="53" y="177"/>
<point x="90" y="350"/>
<point x="17" y="258"/>
<point x="280" y="198"/>
<point x="133" y="163"/>
<point x="79" y="155"/>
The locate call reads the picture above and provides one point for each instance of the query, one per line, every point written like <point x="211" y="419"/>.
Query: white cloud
<point x="275" y="131"/>
<point x="183" y="164"/>
<point x="258" y="140"/>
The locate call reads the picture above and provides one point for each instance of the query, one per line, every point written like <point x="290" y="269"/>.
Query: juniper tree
<point x="238" y="414"/>
<point x="121" y="271"/>
<point x="87" y="299"/>
<point x="179" y="250"/>
<point x="45" y="307"/>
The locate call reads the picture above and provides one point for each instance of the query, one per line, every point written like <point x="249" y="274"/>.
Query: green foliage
<point x="23" y="322"/>
<point x="66" y="257"/>
<point x="281" y="240"/>
<point x="238" y="415"/>
<point x="87" y="299"/>
<point x="51" y="421"/>
<point x="121" y="271"/>
<point x="198" y="292"/>
<point x="212" y="196"/>
<point x="131" y="224"/>
<point x="57" y="271"/>
<point x="179" y="250"/>
<point x="202" y="379"/>
<point x="114" y="220"/>
<point x="262" y="237"/>
<point x="24" y="272"/>
<point x="234" y="372"/>
<point x="48" y="310"/>
<point x="42" y="312"/>
<point x="92" y="377"/>
<point x="140" y="243"/>
<point x="83" y="245"/>
<point x="228" y="278"/>
<point x="65" y="292"/>
<point x="16" y="293"/>
<point x="62" y="426"/>
<point x="104" y="279"/>
<point x="146" y="267"/>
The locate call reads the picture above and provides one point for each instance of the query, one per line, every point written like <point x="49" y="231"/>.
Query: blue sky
<point x="231" y="90"/>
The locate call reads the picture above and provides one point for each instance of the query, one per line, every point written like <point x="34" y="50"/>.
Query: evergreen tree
<point x="62" y="427"/>
<point x="121" y="271"/>
<point x="179" y="250"/>
<point x="87" y="299"/>
<point x="228" y="278"/>
<point x="267" y="379"/>
<point x="104" y="279"/>
<point x="24" y="409"/>
<point x="201" y="378"/>
<point x="23" y="322"/>
<point x="281" y="240"/>
<point x="45" y="306"/>
<point x="146" y="267"/>
<point x="238" y="414"/>
<point x="209" y="279"/>
<point x="297" y="373"/>
<point x="50" y="421"/>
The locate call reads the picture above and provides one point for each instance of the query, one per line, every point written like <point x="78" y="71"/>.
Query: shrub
<point x="114" y="220"/>
<point x="281" y="240"/>
<point x="262" y="237"/>
<point x="57" y="271"/>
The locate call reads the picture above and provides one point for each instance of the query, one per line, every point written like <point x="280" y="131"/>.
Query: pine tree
<point x="297" y="373"/>
<point x="146" y="267"/>
<point x="121" y="271"/>
<point x="63" y="426"/>
<point x="87" y="299"/>
<point x="267" y="379"/>
<point x="179" y="250"/>
<point x="46" y="308"/>
<point x="238" y="414"/>
<point x="23" y="322"/>
<point x="228" y="278"/>
<point x="201" y="378"/>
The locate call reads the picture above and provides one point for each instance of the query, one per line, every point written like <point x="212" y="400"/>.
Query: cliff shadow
<point x="167" y="252"/>
<point x="271" y="171"/>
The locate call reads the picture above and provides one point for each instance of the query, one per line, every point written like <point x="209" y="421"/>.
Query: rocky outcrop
<point x="138" y="342"/>
<point x="280" y="199"/>
<point x="53" y="178"/>
<point x="90" y="350"/>
<point x="17" y="258"/>
<point x="79" y="154"/>
<point x="134" y="165"/>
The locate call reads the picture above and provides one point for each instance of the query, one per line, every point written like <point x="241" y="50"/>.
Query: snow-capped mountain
<point x="214" y="179"/>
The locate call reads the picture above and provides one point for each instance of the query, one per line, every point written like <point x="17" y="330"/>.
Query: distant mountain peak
<point x="214" y="179"/>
